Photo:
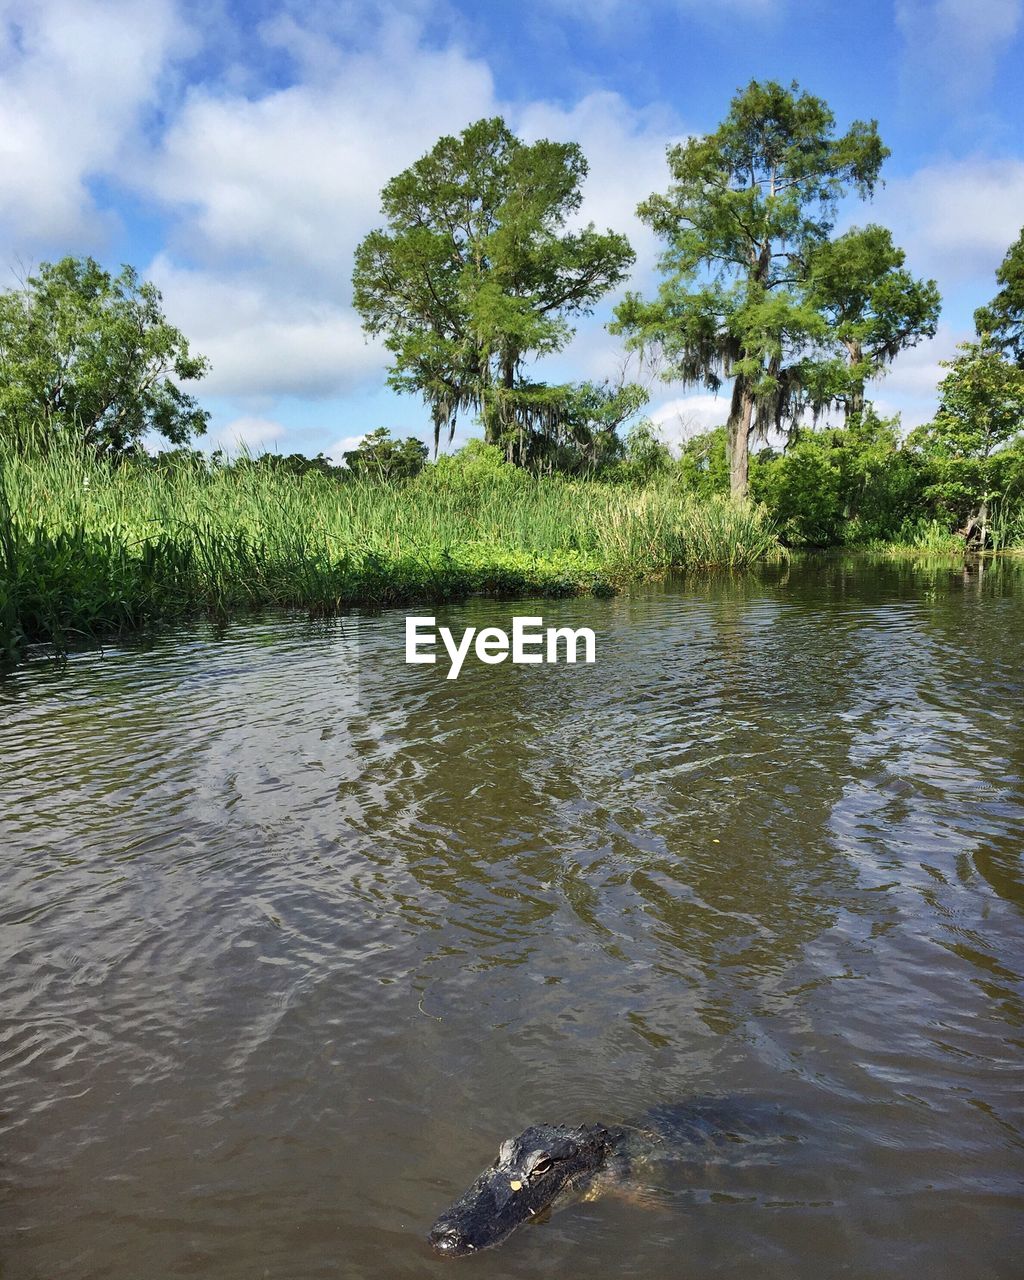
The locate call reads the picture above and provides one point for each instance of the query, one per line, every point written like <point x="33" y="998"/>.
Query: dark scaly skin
<point x="549" y="1164"/>
<point x="531" y="1172"/>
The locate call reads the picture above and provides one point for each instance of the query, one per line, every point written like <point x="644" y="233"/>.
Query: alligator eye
<point x="542" y="1166"/>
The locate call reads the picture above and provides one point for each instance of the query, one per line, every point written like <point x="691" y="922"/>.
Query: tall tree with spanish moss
<point x="478" y="270"/>
<point x="746" y="207"/>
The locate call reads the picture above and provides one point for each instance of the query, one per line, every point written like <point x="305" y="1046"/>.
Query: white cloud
<point x="685" y="416"/>
<point x="247" y="433"/>
<point x="271" y="192"/>
<point x="955" y="219"/>
<point x="347" y="444"/>
<point x="76" y="77"/>
<point x="290" y="180"/>
<point x="265" y="342"/>
<point x="952" y="46"/>
<point x="595" y="355"/>
<point x="910" y="386"/>
<point x="916" y="372"/>
<point x="625" y="150"/>
<point x="268" y="190"/>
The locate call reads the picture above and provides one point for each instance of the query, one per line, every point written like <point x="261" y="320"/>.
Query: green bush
<point x="92" y="547"/>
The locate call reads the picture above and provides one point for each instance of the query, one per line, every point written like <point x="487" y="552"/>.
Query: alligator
<point x="548" y="1166"/>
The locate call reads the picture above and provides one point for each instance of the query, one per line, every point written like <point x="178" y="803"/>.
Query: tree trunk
<point x="855" y="400"/>
<point x="493" y="411"/>
<point x="492" y="429"/>
<point x="741" y="417"/>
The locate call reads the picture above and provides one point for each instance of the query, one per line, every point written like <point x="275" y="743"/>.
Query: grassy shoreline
<point x="89" y="550"/>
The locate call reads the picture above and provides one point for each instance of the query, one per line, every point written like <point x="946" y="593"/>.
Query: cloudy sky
<point x="234" y="153"/>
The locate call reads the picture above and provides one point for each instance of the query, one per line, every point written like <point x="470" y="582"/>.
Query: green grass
<point x="88" y="549"/>
<point x="921" y="537"/>
<point x="930" y="537"/>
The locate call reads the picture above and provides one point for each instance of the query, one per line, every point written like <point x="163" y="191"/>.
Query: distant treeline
<point x="860" y="485"/>
<point x="479" y="269"/>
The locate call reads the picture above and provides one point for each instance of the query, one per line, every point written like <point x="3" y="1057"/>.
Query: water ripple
<point x="292" y="933"/>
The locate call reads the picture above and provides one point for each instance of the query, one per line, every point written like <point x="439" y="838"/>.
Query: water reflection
<point x="293" y="933"/>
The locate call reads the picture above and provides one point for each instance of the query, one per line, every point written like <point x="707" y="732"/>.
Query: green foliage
<point x="476" y="272"/>
<point x="1008" y="477"/>
<point x="747" y="207"/>
<point x="593" y="415"/>
<point x="570" y="428"/>
<point x="875" y="309"/>
<point x="477" y="465"/>
<point x="981" y="404"/>
<point x="921" y="535"/>
<point x="863" y="484"/>
<point x="1002" y="321"/>
<point x="295" y="463"/>
<point x="89" y="357"/>
<point x="882" y="478"/>
<point x="379" y="457"/>
<point x="804" y="488"/>
<point x="981" y="410"/>
<point x="841" y="485"/>
<point x="645" y="458"/>
<point x="92" y="548"/>
<point x="704" y="463"/>
<point x="828" y="487"/>
<point x="182" y="456"/>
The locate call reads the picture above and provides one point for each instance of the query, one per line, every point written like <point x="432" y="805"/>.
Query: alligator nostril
<point x="445" y="1238"/>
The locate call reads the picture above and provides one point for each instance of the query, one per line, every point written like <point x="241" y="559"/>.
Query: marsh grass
<point x="88" y="548"/>
<point x="934" y="538"/>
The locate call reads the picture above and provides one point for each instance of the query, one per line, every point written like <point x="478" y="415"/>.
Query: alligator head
<point x="531" y="1171"/>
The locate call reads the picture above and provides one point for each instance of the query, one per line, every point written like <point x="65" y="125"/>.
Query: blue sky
<point x="234" y="153"/>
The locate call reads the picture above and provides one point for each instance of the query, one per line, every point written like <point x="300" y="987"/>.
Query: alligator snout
<point x="531" y="1171"/>
<point x="447" y="1239"/>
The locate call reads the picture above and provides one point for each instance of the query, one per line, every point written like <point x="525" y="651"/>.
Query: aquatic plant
<point x="90" y="547"/>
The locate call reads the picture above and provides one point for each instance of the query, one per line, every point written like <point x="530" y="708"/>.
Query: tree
<point x="646" y="453"/>
<point x="1003" y="319"/>
<point x="90" y="357"/>
<point x="296" y="464"/>
<point x="704" y="463"/>
<point x="747" y="206"/>
<point x="981" y="409"/>
<point x="571" y="427"/>
<point x="875" y="308"/>
<point x="477" y="271"/>
<point x="839" y="484"/>
<point x="379" y="457"/>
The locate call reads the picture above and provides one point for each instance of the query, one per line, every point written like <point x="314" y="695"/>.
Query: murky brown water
<point x="292" y="934"/>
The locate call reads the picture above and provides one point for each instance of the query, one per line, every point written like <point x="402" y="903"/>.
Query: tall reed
<point x="88" y="547"/>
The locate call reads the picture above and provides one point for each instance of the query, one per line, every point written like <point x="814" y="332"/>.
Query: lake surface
<point x="293" y="934"/>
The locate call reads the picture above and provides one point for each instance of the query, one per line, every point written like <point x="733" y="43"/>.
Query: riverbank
<point x="90" y="550"/>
